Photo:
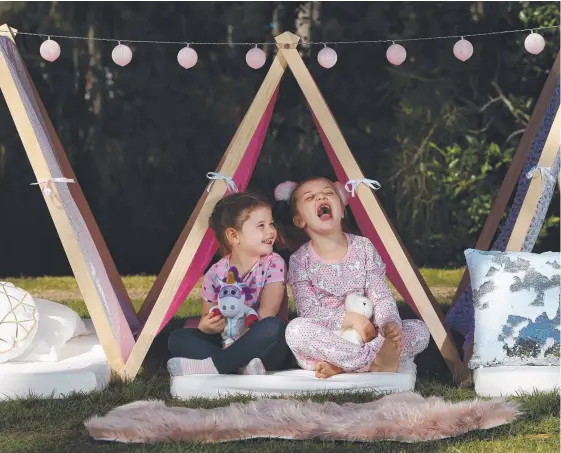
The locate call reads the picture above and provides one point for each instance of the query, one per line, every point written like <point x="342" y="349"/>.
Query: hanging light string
<point x="255" y="58"/>
<point x="312" y="43"/>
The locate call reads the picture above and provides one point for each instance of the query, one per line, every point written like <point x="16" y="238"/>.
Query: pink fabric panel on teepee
<point x="365" y="224"/>
<point x="209" y="245"/>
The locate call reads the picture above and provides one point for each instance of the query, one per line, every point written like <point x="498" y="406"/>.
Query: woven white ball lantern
<point x="534" y="43"/>
<point x="187" y="57"/>
<point x="255" y="58"/>
<point x="327" y="57"/>
<point x="396" y="54"/>
<point x="50" y="50"/>
<point x="463" y="50"/>
<point x="18" y="321"/>
<point x="122" y="55"/>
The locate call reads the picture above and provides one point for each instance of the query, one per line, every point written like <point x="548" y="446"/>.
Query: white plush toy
<point x="356" y="304"/>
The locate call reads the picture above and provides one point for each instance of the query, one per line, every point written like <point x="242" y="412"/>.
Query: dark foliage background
<point x="437" y="133"/>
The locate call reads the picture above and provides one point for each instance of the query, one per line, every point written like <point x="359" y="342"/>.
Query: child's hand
<point x="364" y="328"/>
<point x="210" y="323"/>
<point x="361" y="324"/>
<point x="392" y="332"/>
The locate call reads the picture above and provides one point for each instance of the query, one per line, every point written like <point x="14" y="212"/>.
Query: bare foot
<point x="387" y="358"/>
<point x="325" y="370"/>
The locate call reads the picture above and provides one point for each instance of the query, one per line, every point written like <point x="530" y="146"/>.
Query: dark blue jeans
<point x="265" y="340"/>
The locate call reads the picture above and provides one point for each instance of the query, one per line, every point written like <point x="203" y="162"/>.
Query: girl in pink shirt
<point x="322" y="272"/>
<point x="243" y="224"/>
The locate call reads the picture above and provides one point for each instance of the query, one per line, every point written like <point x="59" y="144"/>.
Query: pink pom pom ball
<point x="534" y="43"/>
<point x="187" y="57"/>
<point x="463" y="50"/>
<point x="50" y="50"/>
<point x="284" y="190"/>
<point x="327" y="57"/>
<point x="396" y="54"/>
<point x="342" y="192"/>
<point x="122" y="55"/>
<point x="255" y="58"/>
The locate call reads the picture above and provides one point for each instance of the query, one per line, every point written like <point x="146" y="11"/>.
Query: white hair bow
<point x="45" y="184"/>
<point x="213" y="176"/>
<point x="352" y="184"/>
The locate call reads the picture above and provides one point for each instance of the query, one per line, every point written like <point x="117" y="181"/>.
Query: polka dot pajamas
<point x="320" y="287"/>
<point x="311" y="342"/>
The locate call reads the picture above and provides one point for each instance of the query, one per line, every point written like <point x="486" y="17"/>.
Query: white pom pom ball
<point x="284" y="190"/>
<point x="187" y="57"/>
<point x="327" y="57"/>
<point x="50" y="50"/>
<point x="463" y="50"/>
<point x="122" y="55"/>
<point x="18" y="321"/>
<point x="396" y="54"/>
<point x="255" y="58"/>
<point x="534" y="43"/>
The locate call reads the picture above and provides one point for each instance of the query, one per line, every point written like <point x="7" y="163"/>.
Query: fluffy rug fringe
<point x="404" y="417"/>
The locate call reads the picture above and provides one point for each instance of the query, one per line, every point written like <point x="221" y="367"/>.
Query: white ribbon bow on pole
<point x="44" y="184"/>
<point x="352" y="184"/>
<point x="544" y="171"/>
<point x="213" y="176"/>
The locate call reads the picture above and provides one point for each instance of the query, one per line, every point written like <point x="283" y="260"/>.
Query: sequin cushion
<point x="517" y="305"/>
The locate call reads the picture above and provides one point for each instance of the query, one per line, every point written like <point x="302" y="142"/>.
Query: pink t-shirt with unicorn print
<point x="269" y="269"/>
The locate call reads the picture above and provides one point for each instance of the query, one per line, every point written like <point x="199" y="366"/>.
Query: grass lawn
<point x="34" y="425"/>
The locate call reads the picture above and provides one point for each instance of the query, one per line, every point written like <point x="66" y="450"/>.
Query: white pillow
<point x="517" y="308"/>
<point x="58" y="325"/>
<point x="18" y="321"/>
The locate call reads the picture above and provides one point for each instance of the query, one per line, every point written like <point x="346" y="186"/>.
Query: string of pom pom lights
<point x="256" y="58"/>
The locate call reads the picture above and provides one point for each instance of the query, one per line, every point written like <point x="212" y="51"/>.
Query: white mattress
<point x="84" y="368"/>
<point x="512" y="380"/>
<point x="291" y="382"/>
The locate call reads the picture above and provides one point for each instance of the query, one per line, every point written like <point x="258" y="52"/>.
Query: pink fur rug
<point x="405" y="417"/>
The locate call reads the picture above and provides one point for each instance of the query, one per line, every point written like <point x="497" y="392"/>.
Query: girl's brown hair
<point x="231" y="212"/>
<point x="290" y="237"/>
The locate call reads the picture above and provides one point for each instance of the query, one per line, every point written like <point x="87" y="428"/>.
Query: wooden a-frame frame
<point x="173" y="272"/>
<point x="288" y="56"/>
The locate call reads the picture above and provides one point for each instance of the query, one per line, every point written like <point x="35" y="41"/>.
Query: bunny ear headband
<point x="284" y="190"/>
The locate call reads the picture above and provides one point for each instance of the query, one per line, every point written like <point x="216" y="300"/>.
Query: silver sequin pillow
<point x="517" y="306"/>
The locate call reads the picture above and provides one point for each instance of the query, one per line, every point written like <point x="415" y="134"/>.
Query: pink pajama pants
<point x="312" y="343"/>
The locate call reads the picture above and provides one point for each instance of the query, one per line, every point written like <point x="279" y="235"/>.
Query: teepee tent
<point x="103" y="291"/>
<point x="533" y="171"/>
<point x="401" y="271"/>
<point x="116" y="323"/>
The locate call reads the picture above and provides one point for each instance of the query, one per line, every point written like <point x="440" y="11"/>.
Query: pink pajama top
<point x="269" y="269"/>
<point x="320" y="287"/>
